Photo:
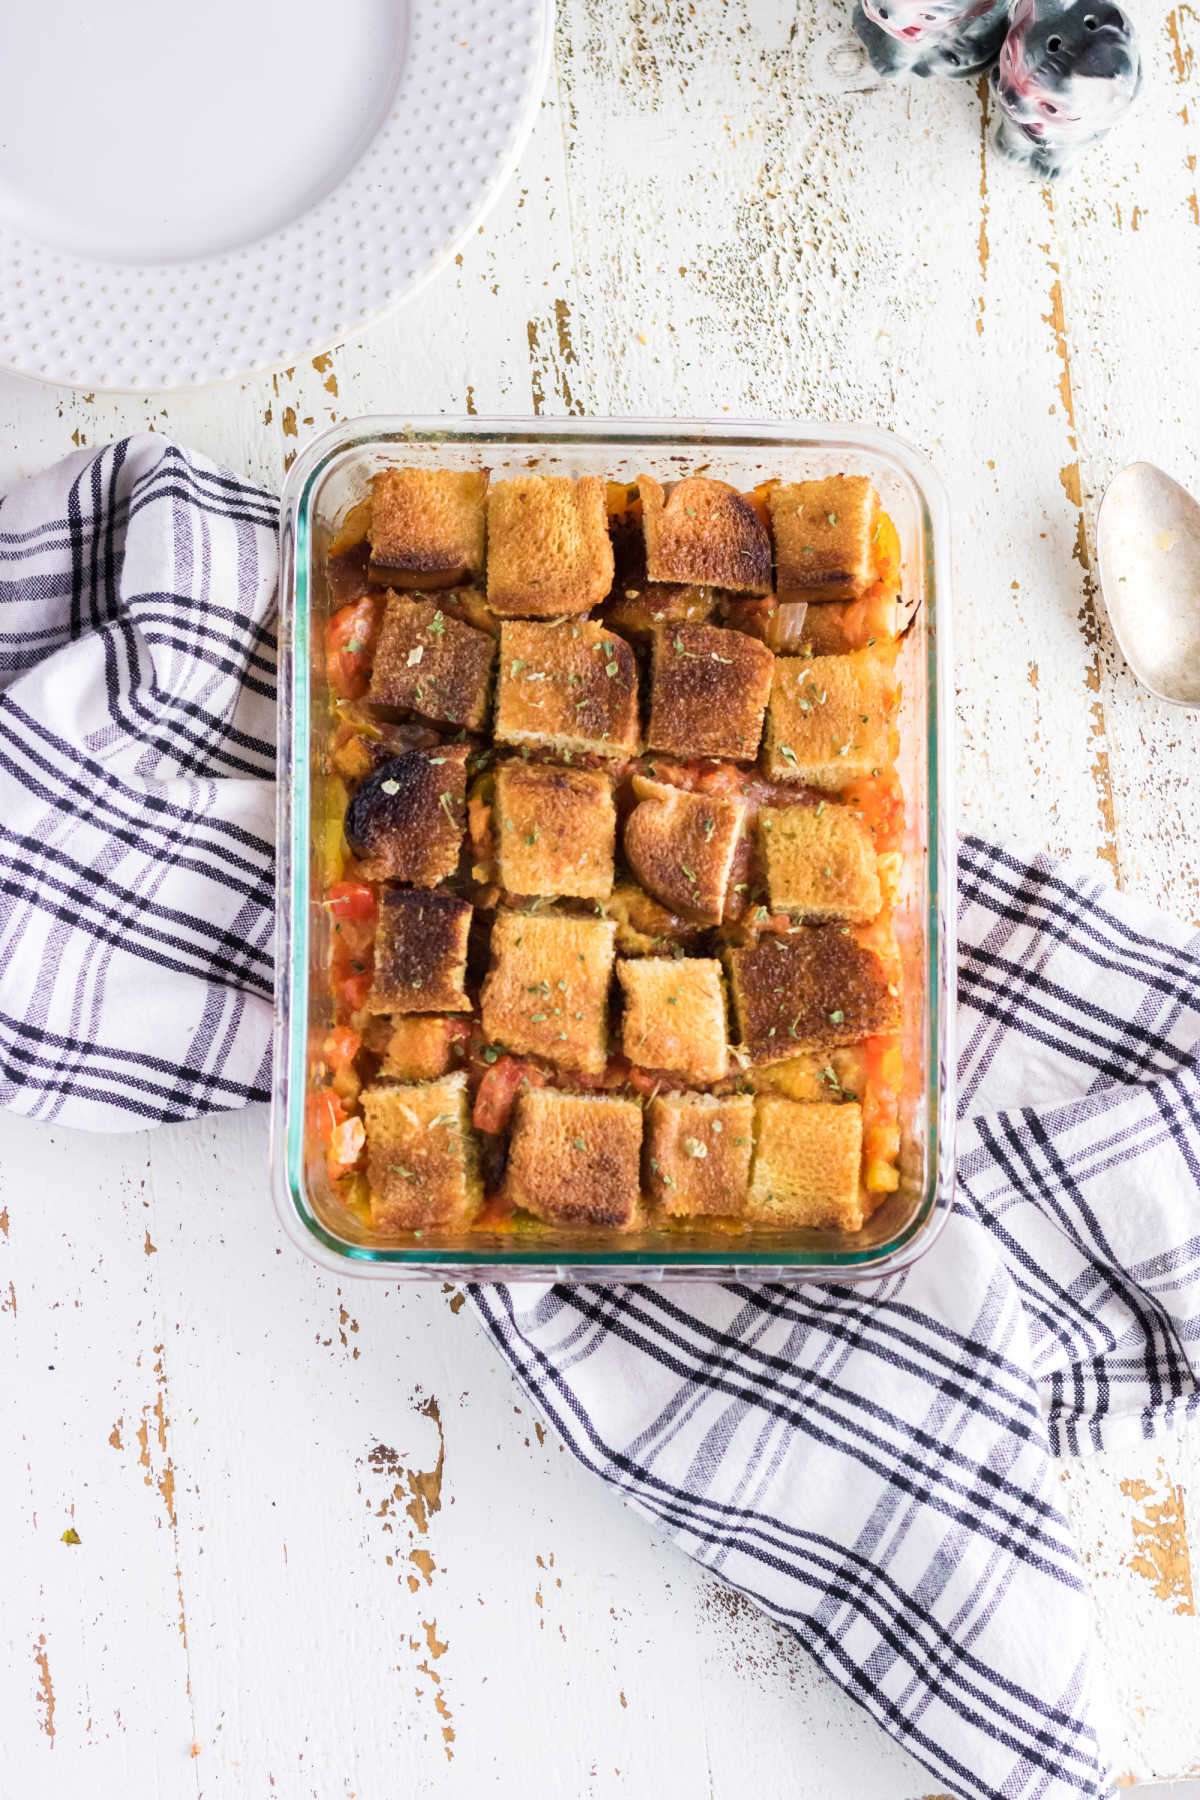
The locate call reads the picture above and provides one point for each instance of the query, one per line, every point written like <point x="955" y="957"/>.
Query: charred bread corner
<point x="429" y="662"/>
<point x="824" y="538"/>
<point x="406" y="821"/>
<point x="820" y="862"/>
<point x="815" y="987"/>
<point x="556" y="830"/>
<point x="420" y="1049"/>
<point x="806" y="1164"/>
<point x="421" y="1157"/>
<point x="705" y="533"/>
<point x="675" y="1015"/>
<point x="698" y="1149"/>
<point x="546" y="993"/>
<point x="708" y="691"/>
<point x="569" y="687"/>
<point x="427" y="526"/>
<point x="829" y="721"/>
<point x="681" y="846"/>
<point x="549" y="552"/>
<point x="420" y="953"/>
<point x="575" y="1159"/>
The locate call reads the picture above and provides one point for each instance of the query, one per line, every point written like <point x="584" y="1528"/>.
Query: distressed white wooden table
<point x="323" y="1549"/>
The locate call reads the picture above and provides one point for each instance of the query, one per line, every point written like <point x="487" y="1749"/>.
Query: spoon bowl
<point x="1148" y="548"/>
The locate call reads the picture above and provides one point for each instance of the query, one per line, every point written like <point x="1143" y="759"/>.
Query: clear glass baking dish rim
<point x="290" y="1049"/>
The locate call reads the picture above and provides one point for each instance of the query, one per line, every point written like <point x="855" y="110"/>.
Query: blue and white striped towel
<point x="872" y="1465"/>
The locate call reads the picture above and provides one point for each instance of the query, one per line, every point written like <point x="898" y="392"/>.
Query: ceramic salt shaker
<point x="1065" y="75"/>
<point x="931" y="37"/>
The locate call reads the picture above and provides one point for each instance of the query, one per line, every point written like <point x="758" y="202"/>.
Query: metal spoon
<point x="1148" y="546"/>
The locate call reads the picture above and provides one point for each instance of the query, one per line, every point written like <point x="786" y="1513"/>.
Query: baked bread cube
<point x="420" y="1049"/>
<point x="708" y="692"/>
<point x="681" y="846"/>
<point x="809" y="990"/>
<point x="698" y="1149"/>
<point x="828" y="723"/>
<point x="429" y="662"/>
<point x="820" y="862"/>
<point x="406" y="821"/>
<point x="549" y="553"/>
<point x="420" y="953"/>
<point x="575" y="1159"/>
<point x="427" y="526"/>
<point x="704" y="533"/>
<point x="675" y="1015"/>
<point x="556" y="829"/>
<point x="570" y="687"/>
<point x="546" y="993"/>
<point x="806" y="1164"/>
<point x="824" y="538"/>
<point x="422" y="1168"/>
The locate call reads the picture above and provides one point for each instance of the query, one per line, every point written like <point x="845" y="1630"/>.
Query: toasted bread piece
<point x="706" y="534"/>
<point x="431" y="663"/>
<point x="575" y="1159"/>
<point x="680" y="846"/>
<point x="546" y="993"/>
<point x="698" y="1149"/>
<point x="549" y="552"/>
<point x="556" y="829"/>
<point x="421" y="1161"/>
<point x="420" y="1049"/>
<point x="828" y="723"/>
<point x="820" y="862"/>
<point x="675" y="1015"/>
<point x="806" y="1164"/>
<point x="708" y="692"/>
<point x="406" y="821"/>
<point x="644" y="926"/>
<point x="570" y="687"/>
<point x="815" y="1075"/>
<point x="809" y="990"/>
<point x="824" y="538"/>
<point x="420" y="953"/>
<point x="427" y="525"/>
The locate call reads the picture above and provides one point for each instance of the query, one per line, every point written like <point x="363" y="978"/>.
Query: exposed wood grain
<point x="321" y="1550"/>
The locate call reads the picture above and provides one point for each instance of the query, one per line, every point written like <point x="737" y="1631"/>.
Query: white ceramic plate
<point x="188" y="193"/>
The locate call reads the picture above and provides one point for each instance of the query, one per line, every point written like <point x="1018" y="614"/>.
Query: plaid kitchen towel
<point x="872" y="1465"/>
<point x="137" y="668"/>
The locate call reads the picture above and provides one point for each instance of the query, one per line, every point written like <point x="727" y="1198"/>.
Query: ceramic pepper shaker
<point x="931" y="37"/>
<point x="1066" y="74"/>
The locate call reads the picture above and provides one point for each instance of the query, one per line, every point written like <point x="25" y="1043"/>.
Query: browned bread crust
<point x="420" y="953"/>
<point x="705" y="533"/>
<point x="806" y="1164"/>
<point x="406" y="821"/>
<point x="419" y="1049"/>
<point x="421" y="1160"/>
<point x="675" y="1015"/>
<point x="567" y="687"/>
<point x="556" y="829"/>
<point x="824" y="537"/>
<point x="429" y="662"/>
<point x="809" y="990"/>
<point x="698" y="1149"/>
<point x="427" y="526"/>
<point x="708" y="691"/>
<point x="828" y="723"/>
<point x="575" y="1159"/>
<point x="681" y="845"/>
<point x="549" y="552"/>
<point x="546" y="993"/>
<point x="820" y="862"/>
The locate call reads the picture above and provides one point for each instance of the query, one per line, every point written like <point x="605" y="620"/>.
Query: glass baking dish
<point x="326" y="480"/>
